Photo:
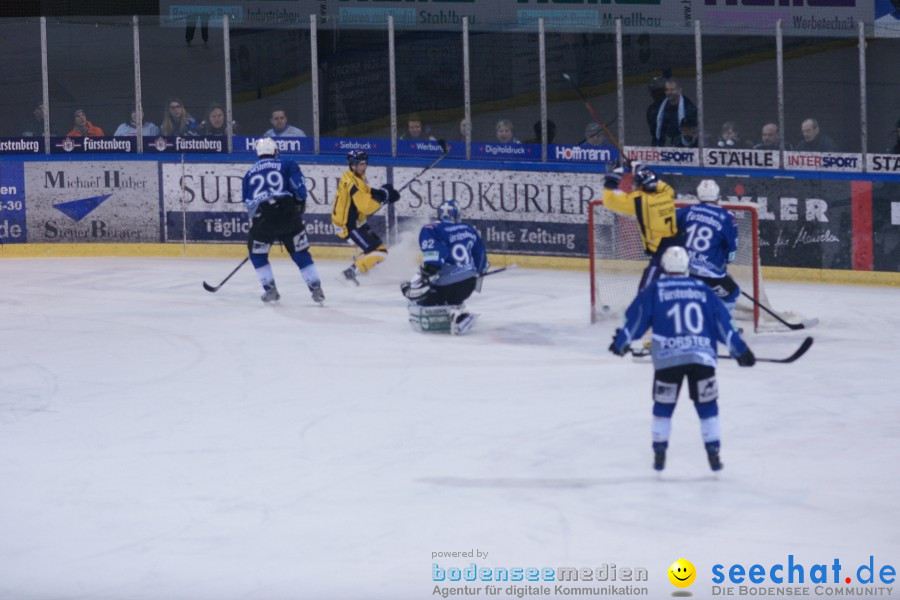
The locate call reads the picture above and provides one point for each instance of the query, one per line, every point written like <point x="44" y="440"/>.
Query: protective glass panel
<point x="271" y="81"/>
<point x="20" y="72"/>
<point x="91" y="69"/>
<point x="882" y="90"/>
<point x="430" y="102"/>
<point x="740" y="91"/>
<point x="649" y="62"/>
<point x="182" y="76"/>
<point x="506" y="102"/>
<point x="354" y="84"/>
<point x="589" y="61"/>
<point x="821" y="94"/>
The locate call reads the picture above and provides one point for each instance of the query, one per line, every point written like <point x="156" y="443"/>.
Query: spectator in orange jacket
<point x="83" y="127"/>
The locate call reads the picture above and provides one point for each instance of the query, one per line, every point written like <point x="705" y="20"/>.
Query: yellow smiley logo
<point x="682" y="573"/>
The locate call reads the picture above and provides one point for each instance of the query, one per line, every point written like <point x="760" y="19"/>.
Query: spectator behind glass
<point x="657" y="89"/>
<point x="670" y="115"/>
<point x="463" y="129"/>
<point x="730" y="138"/>
<point x="177" y="120"/>
<point x="690" y="133"/>
<point x="813" y="139"/>
<point x="896" y="148"/>
<point x="214" y="123"/>
<point x="34" y="126"/>
<point x="551" y="133"/>
<point x="771" y="139"/>
<point x="129" y="127"/>
<point x="280" y="127"/>
<point x="593" y="135"/>
<point x="505" y="132"/>
<point x="84" y="128"/>
<point x="415" y="129"/>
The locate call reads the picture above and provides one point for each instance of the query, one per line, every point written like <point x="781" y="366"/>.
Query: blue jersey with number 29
<point x="456" y="248"/>
<point x="270" y="179"/>
<point x="687" y="320"/>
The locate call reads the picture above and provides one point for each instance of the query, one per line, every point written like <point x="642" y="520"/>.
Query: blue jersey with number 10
<point x="270" y="179"/>
<point x="456" y="248"/>
<point x="710" y="238"/>
<point x="687" y="320"/>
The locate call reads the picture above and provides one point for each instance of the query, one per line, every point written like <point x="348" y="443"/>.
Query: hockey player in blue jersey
<point x="687" y="320"/>
<point x="453" y="259"/>
<point x="275" y="197"/>
<point x="711" y="240"/>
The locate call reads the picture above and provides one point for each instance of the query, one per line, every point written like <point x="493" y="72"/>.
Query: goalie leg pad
<point x="430" y="319"/>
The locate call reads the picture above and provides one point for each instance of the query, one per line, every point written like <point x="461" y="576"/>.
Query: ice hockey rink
<point x="161" y="442"/>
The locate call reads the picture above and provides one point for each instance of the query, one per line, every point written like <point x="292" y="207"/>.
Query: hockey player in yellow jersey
<point x="354" y="202"/>
<point x="652" y="203"/>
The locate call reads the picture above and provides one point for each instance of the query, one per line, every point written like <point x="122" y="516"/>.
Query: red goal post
<point x="617" y="260"/>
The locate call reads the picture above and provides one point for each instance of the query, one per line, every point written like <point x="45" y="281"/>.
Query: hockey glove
<point x="380" y="195"/>
<point x="392" y="194"/>
<point x="746" y="359"/>
<point x="612" y="347"/>
<point x="417" y="287"/>
<point x="612" y="180"/>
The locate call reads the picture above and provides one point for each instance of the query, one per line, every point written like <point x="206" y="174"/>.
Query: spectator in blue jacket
<point x="177" y="120"/>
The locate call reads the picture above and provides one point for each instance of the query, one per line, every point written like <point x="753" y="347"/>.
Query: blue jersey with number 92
<point x="270" y="179"/>
<point x="455" y="248"/>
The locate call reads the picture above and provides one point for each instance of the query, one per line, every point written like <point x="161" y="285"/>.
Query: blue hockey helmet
<point x="646" y="179"/>
<point x="449" y="211"/>
<point x="354" y="157"/>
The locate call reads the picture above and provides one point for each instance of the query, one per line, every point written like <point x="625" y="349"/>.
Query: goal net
<point x="617" y="260"/>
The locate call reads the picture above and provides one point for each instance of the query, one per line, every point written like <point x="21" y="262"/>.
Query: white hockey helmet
<point x="266" y="147"/>
<point x="675" y="261"/>
<point x="708" y="191"/>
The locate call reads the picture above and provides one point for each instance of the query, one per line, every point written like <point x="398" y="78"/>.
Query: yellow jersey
<point x="655" y="211"/>
<point x="352" y="203"/>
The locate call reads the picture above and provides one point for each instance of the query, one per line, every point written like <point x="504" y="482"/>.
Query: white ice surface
<point x="161" y="442"/>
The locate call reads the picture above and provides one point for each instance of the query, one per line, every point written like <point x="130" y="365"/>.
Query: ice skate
<point x="712" y="453"/>
<point x="271" y="293"/>
<point x="317" y="294"/>
<point x="348" y="275"/>
<point x="659" y="456"/>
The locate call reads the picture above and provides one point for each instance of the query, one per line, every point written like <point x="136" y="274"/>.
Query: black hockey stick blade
<point x="500" y="270"/>
<point x="215" y="288"/>
<point x="792" y="326"/>
<point x="806" y="345"/>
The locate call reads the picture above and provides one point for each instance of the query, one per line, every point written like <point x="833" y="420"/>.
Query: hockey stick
<point x="210" y="288"/>
<point x="444" y="150"/>
<point x="807" y="343"/>
<point x="500" y="270"/>
<point x="596" y="118"/>
<point x="794" y="326"/>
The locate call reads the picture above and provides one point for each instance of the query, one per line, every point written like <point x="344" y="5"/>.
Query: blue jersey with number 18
<point x="710" y="238"/>
<point x="455" y="248"/>
<point x="687" y="320"/>
<point x="270" y="179"/>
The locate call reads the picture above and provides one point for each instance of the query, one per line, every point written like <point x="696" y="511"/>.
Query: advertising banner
<point x="211" y="206"/>
<point x="374" y="147"/>
<point x="93" y="201"/>
<point x="600" y="155"/>
<point x="886" y="226"/>
<point x="689" y="157"/>
<point x="743" y="159"/>
<point x="93" y="145"/>
<point x="21" y="145"/>
<point x="189" y="144"/>
<point x="799" y="17"/>
<point x="803" y="223"/>
<point x="822" y="161"/>
<point x="501" y="151"/>
<point x="430" y="148"/>
<point x="515" y="211"/>
<point x="883" y="163"/>
<point x="286" y="145"/>
<point x="12" y="204"/>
